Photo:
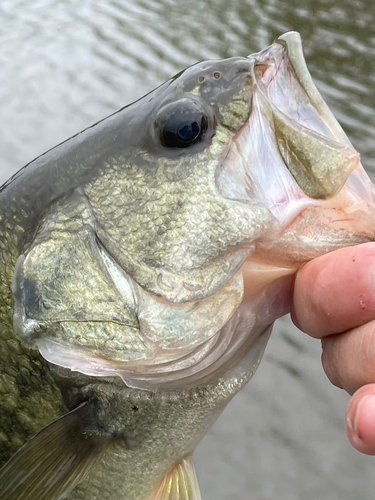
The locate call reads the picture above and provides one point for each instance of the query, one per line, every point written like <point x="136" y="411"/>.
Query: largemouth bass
<point x="143" y="263"/>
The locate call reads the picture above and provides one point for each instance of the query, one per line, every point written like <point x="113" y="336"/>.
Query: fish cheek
<point x="64" y="294"/>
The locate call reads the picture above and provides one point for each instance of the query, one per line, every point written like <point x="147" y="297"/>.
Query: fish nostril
<point x="243" y="65"/>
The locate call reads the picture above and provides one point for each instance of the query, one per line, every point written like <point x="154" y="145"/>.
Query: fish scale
<point x="29" y="397"/>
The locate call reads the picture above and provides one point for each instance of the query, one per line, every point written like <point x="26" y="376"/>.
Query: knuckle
<point x="329" y="365"/>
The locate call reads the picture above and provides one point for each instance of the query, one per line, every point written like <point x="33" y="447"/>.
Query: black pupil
<point x="182" y="127"/>
<point x="188" y="131"/>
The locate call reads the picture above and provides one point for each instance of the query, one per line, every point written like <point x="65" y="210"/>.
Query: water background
<point x="66" y="64"/>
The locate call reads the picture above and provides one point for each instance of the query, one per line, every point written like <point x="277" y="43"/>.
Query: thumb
<point x="360" y="419"/>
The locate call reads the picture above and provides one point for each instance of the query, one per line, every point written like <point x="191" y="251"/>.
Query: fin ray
<point x="180" y="483"/>
<point x="54" y="461"/>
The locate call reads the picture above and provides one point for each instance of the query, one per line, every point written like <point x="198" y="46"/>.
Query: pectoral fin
<point x="180" y="483"/>
<point x="54" y="461"/>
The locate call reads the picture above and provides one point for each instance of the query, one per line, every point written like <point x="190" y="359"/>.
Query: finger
<point x="360" y="420"/>
<point x="349" y="358"/>
<point x="336" y="292"/>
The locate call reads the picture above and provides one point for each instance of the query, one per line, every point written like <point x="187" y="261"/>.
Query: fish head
<point x="170" y="260"/>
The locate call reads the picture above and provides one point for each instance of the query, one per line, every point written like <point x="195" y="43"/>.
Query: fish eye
<point x="181" y="124"/>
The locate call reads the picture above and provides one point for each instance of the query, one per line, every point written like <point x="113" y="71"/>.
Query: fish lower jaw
<point x="244" y="356"/>
<point x="240" y="342"/>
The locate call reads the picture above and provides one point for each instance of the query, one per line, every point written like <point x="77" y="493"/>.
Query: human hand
<point x="334" y="300"/>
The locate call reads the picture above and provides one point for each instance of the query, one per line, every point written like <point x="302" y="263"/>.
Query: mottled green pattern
<point x="170" y="225"/>
<point x="160" y="429"/>
<point x="29" y="398"/>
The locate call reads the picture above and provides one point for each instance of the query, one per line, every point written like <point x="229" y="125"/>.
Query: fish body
<point x="143" y="263"/>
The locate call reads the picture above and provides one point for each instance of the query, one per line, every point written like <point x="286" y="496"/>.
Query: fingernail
<point x="365" y="407"/>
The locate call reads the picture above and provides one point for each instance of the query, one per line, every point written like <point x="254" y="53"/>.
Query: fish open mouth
<point x="292" y="153"/>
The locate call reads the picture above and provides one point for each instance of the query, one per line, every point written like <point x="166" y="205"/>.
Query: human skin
<point x="334" y="300"/>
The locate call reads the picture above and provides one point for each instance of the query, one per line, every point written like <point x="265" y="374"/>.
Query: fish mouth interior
<point x="280" y="83"/>
<point x="292" y="153"/>
<point x="282" y="70"/>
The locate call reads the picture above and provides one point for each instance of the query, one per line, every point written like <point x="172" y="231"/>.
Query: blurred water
<point x="64" y="65"/>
